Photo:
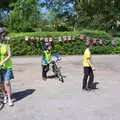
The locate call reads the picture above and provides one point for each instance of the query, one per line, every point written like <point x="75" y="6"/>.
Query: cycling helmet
<point x="45" y="47"/>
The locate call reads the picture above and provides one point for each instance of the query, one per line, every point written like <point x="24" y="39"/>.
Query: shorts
<point x="6" y="74"/>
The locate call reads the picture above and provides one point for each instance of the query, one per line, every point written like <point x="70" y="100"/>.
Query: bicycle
<point x="1" y="97"/>
<point x="57" y="70"/>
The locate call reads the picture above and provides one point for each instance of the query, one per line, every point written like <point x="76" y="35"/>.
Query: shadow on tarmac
<point x="22" y="94"/>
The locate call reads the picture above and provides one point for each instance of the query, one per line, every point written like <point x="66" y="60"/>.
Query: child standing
<point x="46" y="58"/>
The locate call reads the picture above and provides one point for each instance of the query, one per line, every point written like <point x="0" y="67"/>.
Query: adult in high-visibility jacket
<point x="5" y="67"/>
<point x="46" y="58"/>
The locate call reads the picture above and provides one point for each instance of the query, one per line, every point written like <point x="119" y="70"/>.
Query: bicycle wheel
<point x="58" y="73"/>
<point x="55" y="69"/>
<point x="1" y="94"/>
<point x="1" y="105"/>
<point x="60" y="76"/>
<point x="1" y="99"/>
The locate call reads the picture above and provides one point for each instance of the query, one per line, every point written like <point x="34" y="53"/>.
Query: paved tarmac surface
<point x="36" y="99"/>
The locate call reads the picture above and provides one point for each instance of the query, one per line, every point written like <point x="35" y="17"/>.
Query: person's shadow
<point x="94" y="85"/>
<point x="22" y="94"/>
<point x="54" y="76"/>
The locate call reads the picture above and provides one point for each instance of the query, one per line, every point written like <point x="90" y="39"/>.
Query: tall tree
<point x="4" y="4"/>
<point x="62" y="12"/>
<point x="25" y="16"/>
<point x="4" y="9"/>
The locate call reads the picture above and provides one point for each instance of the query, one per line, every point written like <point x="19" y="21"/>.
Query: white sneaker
<point x="5" y="100"/>
<point x="10" y="102"/>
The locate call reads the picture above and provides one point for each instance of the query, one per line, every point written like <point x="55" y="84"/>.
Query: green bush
<point x="42" y="34"/>
<point x="115" y="34"/>
<point x="89" y="33"/>
<point x="97" y="34"/>
<point x="33" y="47"/>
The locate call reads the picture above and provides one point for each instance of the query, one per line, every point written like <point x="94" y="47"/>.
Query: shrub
<point x="33" y="47"/>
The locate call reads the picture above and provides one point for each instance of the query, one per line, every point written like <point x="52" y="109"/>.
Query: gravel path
<point x="35" y="99"/>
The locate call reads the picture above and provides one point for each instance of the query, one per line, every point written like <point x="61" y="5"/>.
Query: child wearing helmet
<point x="46" y="58"/>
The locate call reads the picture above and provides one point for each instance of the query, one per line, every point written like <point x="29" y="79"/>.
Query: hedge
<point x="33" y="47"/>
<point x="90" y="33"/>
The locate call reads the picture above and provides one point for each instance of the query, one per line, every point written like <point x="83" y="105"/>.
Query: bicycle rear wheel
<point x="1" y="99"/>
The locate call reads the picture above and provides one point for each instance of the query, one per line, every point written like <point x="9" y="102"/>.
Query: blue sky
<point x="68" y="6"/>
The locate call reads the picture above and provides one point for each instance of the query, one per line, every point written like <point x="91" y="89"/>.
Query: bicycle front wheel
<point x="1" y="105"/>
<point x="60" y="76"/>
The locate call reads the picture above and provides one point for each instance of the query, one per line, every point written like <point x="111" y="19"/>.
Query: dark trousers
<point x="88" y="72"/>
<point x="45" y="69"/>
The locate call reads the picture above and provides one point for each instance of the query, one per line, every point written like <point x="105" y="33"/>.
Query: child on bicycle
<point x="47" y="58"/>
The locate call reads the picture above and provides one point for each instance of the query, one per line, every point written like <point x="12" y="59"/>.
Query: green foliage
<point x="61" y="15"/>
<point x="97" y="34"/>
<point x="33" y="47"/>
<point x="42" y="34"/>
<point x="4" y="4"/>
<point x="89" y="33"/>
<point x="21" y="47"/>
<point x="24" y="17"/>
<point x="115" y="34"/>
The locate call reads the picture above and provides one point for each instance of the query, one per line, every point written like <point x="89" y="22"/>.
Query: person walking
<point x="88" y="68"/>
